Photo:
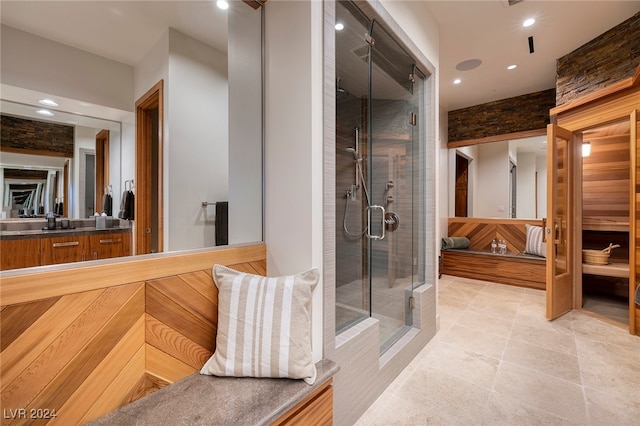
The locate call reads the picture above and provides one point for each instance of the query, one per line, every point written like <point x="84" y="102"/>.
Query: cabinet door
<point x="63" y="249"/>
<point x="105" y="246"/>
<point x="19" y="253"/>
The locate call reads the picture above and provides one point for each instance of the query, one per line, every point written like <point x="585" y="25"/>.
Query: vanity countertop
<point x="15" y="229"/>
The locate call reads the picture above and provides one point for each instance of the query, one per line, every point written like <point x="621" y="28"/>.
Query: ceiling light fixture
<point x="222" y="4"/>
<point x="586" y="149"/>
<point x="44" y="112"/>
<point x="528" y="22"/>
<point x="457" y="81"/>
<point x="339" y="26"/>
<point x="48" y="102"/>
<point x="512" y="67"/>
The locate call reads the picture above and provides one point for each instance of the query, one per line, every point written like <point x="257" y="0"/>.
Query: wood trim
<point x="497" y="138"/>
<point x="315" y="409"/>
<point x="36" y="152"/>
<point x="633" y="209"/>
<point x="597" y="95"/>
<point x="102" y="165"/>
<point x="24" y="285"/>
<point x="255" y="4"/>
<point x="152" y="99"/>
<point x="506" y="221"/>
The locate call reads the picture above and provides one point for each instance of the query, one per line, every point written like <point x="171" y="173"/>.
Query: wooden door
<point x="559" y="229"/>
<point x="462" y="186"/>
<point x="634" y="221"/>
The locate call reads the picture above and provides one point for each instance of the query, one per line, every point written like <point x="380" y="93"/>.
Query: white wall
<point x="245" y="124"/>
<point x="526" y="187"/>
<point x="197" y="143"/>
<point x="293" y="143"/>
<point x="541" y="167"/>
<point x="492" y="197"/>
<point x="39" y="64"/>
<point x="84" y="138"/>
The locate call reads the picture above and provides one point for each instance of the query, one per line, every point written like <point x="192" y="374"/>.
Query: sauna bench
<point x="514" y="268"/>
<point x="211" y="400"/>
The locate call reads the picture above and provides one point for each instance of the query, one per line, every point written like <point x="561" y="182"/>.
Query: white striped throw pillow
<point x="534" y="244"/>
<point x="264" y="325"/>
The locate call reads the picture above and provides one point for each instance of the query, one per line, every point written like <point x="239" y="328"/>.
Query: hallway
<point x="496" y="360"/>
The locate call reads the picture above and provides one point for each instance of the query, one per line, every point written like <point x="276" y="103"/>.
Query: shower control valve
<point x="389" y="185"/>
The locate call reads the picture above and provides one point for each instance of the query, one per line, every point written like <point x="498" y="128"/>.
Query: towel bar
<point x="208" y="203"/>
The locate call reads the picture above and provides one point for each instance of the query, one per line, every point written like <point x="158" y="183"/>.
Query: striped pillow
<point x="534" y="244"/>
<point x="264" y="326"/>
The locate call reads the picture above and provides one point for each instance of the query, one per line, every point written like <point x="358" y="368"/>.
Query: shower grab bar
<point x="369" y="234"/>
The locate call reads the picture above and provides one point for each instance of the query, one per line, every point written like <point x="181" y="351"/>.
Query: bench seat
<point x="518" y="269"/>
<point x="210" y="400"/>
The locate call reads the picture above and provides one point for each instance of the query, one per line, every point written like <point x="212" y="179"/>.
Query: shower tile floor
<point x="496" y="360"/>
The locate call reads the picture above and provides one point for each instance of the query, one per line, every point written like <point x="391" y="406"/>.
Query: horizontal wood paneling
<point x="488" y="267"/>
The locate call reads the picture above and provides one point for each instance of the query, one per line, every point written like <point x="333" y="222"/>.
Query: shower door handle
<point x="382" y="227"/>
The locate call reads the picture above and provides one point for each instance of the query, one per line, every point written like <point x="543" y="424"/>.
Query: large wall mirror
<point x="504" y="179"/>
<point x="97" y="58"/>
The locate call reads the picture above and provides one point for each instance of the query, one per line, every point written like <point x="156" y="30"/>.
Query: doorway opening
<point x="462" y="186"/>
<point x="148" y="182"/>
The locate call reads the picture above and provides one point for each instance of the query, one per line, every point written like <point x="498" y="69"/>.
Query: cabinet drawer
<point x="16" y="254"/>
<point x="63" y="249"/>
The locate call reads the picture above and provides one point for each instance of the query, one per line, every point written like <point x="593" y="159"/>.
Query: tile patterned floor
<point x="497" y="361"/>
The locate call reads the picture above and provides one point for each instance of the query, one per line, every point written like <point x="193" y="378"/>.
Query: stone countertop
<point x="209" y="400"/>
<point x="59" y="232"/>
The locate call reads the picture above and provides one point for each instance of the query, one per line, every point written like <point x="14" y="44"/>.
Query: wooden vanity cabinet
<point x="16" y="254"/>
<point x="105" y="246"/>
<point x="55" y="250"/>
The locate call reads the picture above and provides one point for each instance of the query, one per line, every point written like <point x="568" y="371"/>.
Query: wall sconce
<point x="586" y="149"/>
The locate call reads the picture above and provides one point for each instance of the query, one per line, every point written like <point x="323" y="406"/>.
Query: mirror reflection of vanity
<point x="501" y="179"/>
<point x="210" y="63"/>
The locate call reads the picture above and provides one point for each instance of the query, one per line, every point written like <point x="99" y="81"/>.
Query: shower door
<point x="380" y="213"/>
<point x="394" y="174"/>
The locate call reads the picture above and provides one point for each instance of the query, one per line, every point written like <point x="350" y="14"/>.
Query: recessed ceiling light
<point x="528" y="22"/>
<point x="222" y="4"/>
<point x="512" y="67"/>
<point x="44" y="112"/>
<point x="48" y="102"/>
<point x="339" y="26"/>
<point x="457" y="81"/>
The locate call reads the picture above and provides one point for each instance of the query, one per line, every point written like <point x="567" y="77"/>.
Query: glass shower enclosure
<point x="380" y="177"/>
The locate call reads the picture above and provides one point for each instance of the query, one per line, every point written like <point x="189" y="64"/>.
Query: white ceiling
<point x="483" y="29"/>
<point x="490" y="31"/>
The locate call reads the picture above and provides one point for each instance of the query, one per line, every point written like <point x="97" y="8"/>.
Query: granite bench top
<point x="209" y="400"/>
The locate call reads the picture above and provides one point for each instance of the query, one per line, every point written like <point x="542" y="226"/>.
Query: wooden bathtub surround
<point x="82" y="341"/>
<point x="478" y="262"/>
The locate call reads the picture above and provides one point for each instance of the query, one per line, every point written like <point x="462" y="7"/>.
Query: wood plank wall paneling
<point x="605" y="180"/>
<point x="91" y="349"/>
<point x="481" y="231"/>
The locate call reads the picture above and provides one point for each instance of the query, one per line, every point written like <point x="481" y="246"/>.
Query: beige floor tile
<point x="544" y="361"/>
<point x="478" y="321"/>
<point x="466" y="365"/>
<point x="546" y="337"/>
<point x="445" y="399"/>
<point x="544" y="392"/>
<point x="495" y="307"/>
<point x="476" y="341"/>
<point x="607" y="409"/>
<point x="502" y="410"/>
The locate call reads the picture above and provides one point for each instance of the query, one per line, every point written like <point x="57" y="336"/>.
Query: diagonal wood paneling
<point x="62" y="365"/>
<point x="481" y="231"/>
<point x="18" y="318"/>
<point x="96" y="346"/>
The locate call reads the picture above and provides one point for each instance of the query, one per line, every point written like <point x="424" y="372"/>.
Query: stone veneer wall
<point x="19" y="134"/>
<point x="512" y="115"/>
<point x="609" y="58"/>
